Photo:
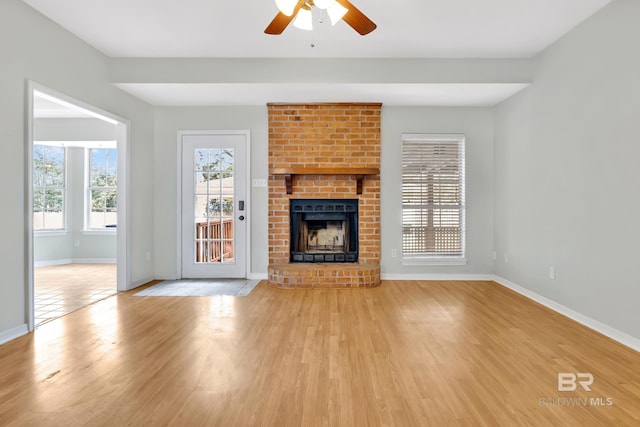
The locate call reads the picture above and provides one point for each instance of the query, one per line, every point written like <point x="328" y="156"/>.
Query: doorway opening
<point x="76" y="170"/>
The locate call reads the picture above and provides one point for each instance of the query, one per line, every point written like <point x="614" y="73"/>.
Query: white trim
<point x="66" y="261"/>
<point x="79" y="144"/>
<point x="123" y="136"/>
<point x="455" y="261"/>
<point x="141" y="282"/>
<point x="465" y="277"/>
<point x="616" y="335"/>
<point x="258" y="276"/>
<point x="454" y="137"/>
<point x="50" y="233"/>
<point x="123" y="236"/>
<point x="100" y="232"/>
<point x="178" y="245"/>
<point x="13" y="333"/>
<point x="94" y="261"/>
<point x="28" y="204"/>
<point x="247" y="201"/>
<point x="50" y="263"/>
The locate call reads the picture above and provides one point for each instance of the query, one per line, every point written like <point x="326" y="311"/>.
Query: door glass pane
<point x="214" y="205"/>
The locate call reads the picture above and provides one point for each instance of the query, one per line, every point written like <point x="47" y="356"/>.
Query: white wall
<point x="32" y="47"/>
<point x="167" y="124"/>
<point x="73" y="129"/>
<point x="566" y="172"/>
<point x="477" y="126"/>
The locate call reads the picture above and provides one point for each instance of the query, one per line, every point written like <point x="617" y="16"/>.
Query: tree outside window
<point x="103" y="194"/>
<point x="48" y="187"/>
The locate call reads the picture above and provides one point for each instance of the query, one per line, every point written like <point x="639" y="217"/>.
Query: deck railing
<point x="214" y="240"/>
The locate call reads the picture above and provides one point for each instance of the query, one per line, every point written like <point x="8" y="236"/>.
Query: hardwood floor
<point x="403" y="354"/>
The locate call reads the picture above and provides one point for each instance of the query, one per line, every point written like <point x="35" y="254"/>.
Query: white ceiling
<point x="47" y="107"/>
<point x="234" y="29"/>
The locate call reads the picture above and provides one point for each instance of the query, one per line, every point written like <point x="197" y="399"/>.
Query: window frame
<point x="88" y="189"/>
<point x="437" y="258"/>
<point x="65" y="171"/>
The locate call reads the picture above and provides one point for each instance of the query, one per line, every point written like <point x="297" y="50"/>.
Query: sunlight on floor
<point x="61" y="289"/>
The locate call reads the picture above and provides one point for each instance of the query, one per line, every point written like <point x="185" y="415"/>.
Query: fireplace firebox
<point x="324" y="230"/>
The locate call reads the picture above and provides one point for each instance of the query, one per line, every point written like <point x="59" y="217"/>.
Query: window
<point x="48" y="187"/>
<point x="433" y="197"/>
<point x="102" y="188"/>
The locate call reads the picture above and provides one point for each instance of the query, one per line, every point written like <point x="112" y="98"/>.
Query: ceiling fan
<point x="299" y="11"/>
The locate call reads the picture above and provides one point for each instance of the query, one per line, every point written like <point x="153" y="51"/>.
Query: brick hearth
<point x="324" y="136"/>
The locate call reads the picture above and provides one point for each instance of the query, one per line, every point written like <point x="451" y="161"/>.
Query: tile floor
<point x="61" y="289"/>
<point x="200" y="287"/>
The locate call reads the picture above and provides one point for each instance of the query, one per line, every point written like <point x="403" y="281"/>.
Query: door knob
<point x="241" y="217"/>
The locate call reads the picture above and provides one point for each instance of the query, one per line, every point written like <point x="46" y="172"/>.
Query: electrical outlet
<point x="394" y="253"/>
<point x="76" y="243"/>
<point x="148" y="256"/>
<point x="495" y="255"/>
<point x="506" y="257"/>
<point x="552" y="273"/>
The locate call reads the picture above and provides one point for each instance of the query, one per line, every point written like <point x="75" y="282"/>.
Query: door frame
<point x="179" y="236"/>
<point x="123" y="235"/>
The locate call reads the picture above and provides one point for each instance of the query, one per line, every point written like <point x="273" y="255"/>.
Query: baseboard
<point x="409" y="276"/>
<point x="94" y="261"/>
<point x="50" y="263"/>
<point x="13" y="333"/>
<point x="608" y="331"/>
<point x="141" y="282"/>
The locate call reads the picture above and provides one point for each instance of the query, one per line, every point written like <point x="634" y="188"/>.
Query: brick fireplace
<point x="319" y="152"/>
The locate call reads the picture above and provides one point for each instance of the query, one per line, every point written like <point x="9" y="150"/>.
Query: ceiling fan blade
<point x="281" y="21"/>
<point x="356" y="19"/>
<point x="278" y="24"/>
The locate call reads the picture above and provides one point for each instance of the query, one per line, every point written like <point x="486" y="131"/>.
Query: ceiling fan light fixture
<point x="301" y="16"/>
<point x="304" y="19"/>
<point x="286" y="6"/>
<point x="336" y="12"/>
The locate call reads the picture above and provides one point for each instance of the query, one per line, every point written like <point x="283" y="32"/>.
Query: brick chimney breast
<point x="324" y="137"/>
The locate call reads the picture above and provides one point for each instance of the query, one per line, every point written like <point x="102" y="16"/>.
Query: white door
<point x="214" y="207"/>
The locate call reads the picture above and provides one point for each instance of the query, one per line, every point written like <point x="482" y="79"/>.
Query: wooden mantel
<point x="289" y="173"/>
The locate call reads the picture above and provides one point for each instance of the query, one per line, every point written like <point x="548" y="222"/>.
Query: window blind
<point x="433" y="195"/>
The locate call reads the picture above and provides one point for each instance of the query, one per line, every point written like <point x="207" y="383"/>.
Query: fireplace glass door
<point x="324" y="230"/>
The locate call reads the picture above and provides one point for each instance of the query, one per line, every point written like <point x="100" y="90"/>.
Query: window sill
<point x="110" y="232"/>
<point x="50" y="233"/>
<point x="435" y="260"/>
